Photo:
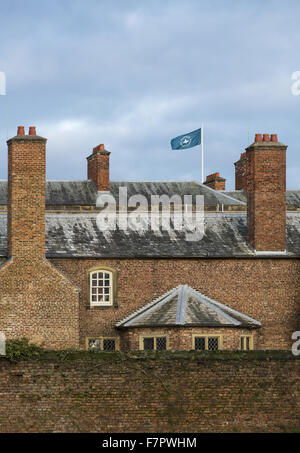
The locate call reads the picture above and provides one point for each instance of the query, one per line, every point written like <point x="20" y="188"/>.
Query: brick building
<point x="65" y="282"/>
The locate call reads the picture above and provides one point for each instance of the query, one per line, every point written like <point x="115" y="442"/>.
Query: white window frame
<point x="111" y="283"/>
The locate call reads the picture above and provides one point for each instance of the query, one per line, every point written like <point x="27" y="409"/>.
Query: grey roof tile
<point x="77" y="235"/>
<point x="68" y="193"/>
<point x="195" y="309"/>
<point x="292" y="196"/>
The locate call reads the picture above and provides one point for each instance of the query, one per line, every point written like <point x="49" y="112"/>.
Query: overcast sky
<point x="134" y="74"/>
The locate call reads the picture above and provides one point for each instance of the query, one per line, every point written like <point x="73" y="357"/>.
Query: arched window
<point x="101" y="287"/>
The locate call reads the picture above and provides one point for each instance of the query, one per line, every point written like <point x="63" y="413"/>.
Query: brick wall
<point x="39" y="303"/>
<point x="264" y="289"/>
<point x="113" y="393"/>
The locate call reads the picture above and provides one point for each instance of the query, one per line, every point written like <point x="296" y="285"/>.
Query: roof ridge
<point x="145" y="307"/>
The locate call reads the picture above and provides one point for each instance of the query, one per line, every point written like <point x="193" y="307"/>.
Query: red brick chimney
<point x="36" y="300"/>
<point x="240" y="173"/>
<point x="98" y="168"/>
<point x="266" y="193"/>
<point x="215" y="181"/>
<point x="26" y="193"/>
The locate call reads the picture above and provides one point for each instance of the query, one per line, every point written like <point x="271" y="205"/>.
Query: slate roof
<point x="62" y="193"/>
<point x="84" y="193"/>
<point x="147" y="188"/>
<point x="292" y="196"/>
<point x="77" y="235"/>
<point x="183" y="306"/>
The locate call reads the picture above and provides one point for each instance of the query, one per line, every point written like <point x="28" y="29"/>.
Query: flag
<point x="187" y="140"/>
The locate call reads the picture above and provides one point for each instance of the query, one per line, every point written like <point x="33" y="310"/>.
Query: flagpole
<point x="202" y="155"/>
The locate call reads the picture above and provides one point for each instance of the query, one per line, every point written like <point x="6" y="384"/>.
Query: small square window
<point x="94" y="344"/>
<point x="213" y="343"/>
<point x="102" y="344"/>
<point x="161" y="343"/>
<point x="148" y="344"/>
<point x="206" y="343"/>
<point x="154" y="343"/>
<point x="200" y="343"/>
<point x="109" y="344"/>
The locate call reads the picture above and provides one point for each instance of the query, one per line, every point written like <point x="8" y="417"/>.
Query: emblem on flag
<point x="187" y="140"/>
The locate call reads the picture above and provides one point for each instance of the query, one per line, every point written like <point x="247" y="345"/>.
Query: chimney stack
<point x="266" y="194"/>
<point x="240" y="172"/>
<point x="98" y="168"/>
<point x="215" y="181"/>
<point x="26" y="194"/>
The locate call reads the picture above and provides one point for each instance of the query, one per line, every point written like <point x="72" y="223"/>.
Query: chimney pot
<point x="274" y="138"/>
<point x="21" y="130"/>
<point x="266" y="138"/>
<point x="258" y="137"/>
<point x="32" y="130"/>
<point x="99" y="148"/>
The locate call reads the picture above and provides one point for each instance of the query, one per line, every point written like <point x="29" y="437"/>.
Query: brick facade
<point x="47" y="300"/>
<point x="242" y="284"/>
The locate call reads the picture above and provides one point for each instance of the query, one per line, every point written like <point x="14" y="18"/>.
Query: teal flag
<point x="187" y="140"/>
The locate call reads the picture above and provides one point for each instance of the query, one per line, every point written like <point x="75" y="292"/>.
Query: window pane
<point x="247" y="343"/>
<point x="213" y="343"/>
<point x="200" y="343"/>
<point x="109" y="345"/>
<point x="94" y="344"/>
<point x="242" y="343"/>
<point x="149" y="344"/>
<point x="161" y="343"/>
<point x="101" y="285"/>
